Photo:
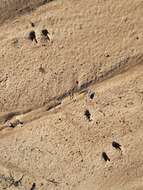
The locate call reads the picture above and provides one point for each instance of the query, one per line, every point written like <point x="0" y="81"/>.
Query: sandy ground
<point x="46" y="141"/>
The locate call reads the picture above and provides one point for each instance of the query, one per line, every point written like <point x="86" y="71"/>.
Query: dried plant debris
<point x="116" y="145"/>
<point x="87" y="114"/>
<point x="15" y="123"/>
<point x="10" y="181"/>
<point x="17" y="182"/>
<point x="53" y="181"/>
<point x="32" y="36"/>
<point x="105" y="157"/>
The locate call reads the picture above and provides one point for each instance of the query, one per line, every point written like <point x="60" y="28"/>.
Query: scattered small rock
<point x="15" y="41"/>
<point x="53" y="181"/>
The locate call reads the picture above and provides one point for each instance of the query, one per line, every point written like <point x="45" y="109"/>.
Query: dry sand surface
<point x="95" y="49"/>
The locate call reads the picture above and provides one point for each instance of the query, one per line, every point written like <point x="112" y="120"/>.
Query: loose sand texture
<point x="66" y="98"/>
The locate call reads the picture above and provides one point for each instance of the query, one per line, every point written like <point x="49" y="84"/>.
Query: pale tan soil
<point x="53" y="144"/>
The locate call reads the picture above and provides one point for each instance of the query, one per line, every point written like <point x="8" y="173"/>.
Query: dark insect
<point x="116" y="145"/>
<point x="87" y="114"/>
<point x="105" y="157"/>
<point x="45" y="33"/>
<point x="32" y="36"/>
<point x="92" y="95"/>
<point x="33" y="186"/>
